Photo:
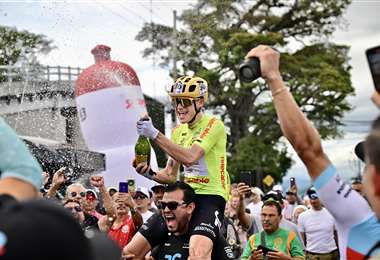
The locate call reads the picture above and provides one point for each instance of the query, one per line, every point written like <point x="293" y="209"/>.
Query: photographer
<point x="273" y="242"/>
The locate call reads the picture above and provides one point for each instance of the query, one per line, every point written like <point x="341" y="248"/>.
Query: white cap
<point x="257" y="191"/>
<point x="143" y="190"/>
<point x="277" y="187"/>
<point x="93" y="192"/>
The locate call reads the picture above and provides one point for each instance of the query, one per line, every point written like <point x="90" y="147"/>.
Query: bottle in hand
<point x="142" y="150"/>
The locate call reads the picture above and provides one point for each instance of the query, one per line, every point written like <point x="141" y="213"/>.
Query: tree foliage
<point x="212" y="42"/>
<point x="21" y="46"/>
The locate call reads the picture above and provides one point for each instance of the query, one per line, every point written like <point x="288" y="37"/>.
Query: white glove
<point x="146" y="128"/>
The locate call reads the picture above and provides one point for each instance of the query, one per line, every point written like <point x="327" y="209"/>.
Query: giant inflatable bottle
<point x="109" y="102"/>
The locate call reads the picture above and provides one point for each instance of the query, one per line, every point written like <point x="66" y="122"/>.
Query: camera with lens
<point x="250" y="70"/>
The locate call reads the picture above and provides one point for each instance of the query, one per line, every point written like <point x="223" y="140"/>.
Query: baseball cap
<point x="277" y="187"/>
<point x="312" y="193"/>
<point x="143" y="190"/>
<point x="273" y="195"/>
<point x="91" y="194"/>
<point x="156" y="187"/>
<point x="359" y="150"/>
<point x="257" y="191"/>
<point x="112" y="188"/>
<point x="45" y="230"/>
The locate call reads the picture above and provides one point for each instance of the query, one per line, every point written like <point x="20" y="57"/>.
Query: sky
<point x="77" y="26"/>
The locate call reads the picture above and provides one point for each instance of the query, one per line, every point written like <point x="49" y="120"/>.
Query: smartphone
<point x="131" y="185"/>
<point x="265" y="250"/>
<point x="292" y="181"/>
<point x="373" y="58"/>
<point x="246" y="177"/>
<point x="123" y="187"/>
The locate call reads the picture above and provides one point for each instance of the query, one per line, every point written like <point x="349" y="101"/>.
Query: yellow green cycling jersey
<point x="208" y="175"/>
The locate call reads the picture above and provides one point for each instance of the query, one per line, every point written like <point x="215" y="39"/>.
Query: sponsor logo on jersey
<point x="222" y="173"/>
<point x="125" y="229"/>
<point x="197" y="180"/>
<point x="207" y="128"/>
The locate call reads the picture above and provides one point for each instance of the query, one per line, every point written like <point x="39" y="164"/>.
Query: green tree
<point x="21" y="48"/>
<point x="215" y="37"/>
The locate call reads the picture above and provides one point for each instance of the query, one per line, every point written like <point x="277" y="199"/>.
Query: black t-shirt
<point x="6" y="200"/>
<point x="177" y="248"/>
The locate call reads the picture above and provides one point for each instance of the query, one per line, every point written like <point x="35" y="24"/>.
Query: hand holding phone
<point x="292" y="182"/>
<point x="373" y="58"/>
<point x="265" y="250"/>
<point x="131" y="185"/>
<point x="123" y="187"/>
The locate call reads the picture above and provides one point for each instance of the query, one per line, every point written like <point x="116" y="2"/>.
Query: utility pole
<point x="174" y="54"/>
<point x="174" y="44"/>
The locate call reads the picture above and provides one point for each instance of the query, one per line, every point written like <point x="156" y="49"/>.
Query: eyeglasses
<point x="139" y="196"/>
<point x="172" y="205"/>
<point x="184" y="102"/>
<point x="74" y="209"/>
<point x="74" y="194"/>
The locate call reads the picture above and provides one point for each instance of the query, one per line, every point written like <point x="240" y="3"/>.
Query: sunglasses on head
<point x="272" y="196"/>
<point x="74" y="194"/>
<point x="184" y="102"/>
<point x="172" y="205"/>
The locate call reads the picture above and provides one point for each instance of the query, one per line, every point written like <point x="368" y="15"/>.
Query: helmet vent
<point x="192" y="88"/>
<point x="187" y="80"/>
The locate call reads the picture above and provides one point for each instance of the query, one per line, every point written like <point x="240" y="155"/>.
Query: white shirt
<point x="318" y="226"/>
<point x="255" y="209"/>
<point x="145" y="216"/>
<point x="287" y="212"/>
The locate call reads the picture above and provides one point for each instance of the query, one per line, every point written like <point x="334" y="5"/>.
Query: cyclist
<point x="199" y="145"/>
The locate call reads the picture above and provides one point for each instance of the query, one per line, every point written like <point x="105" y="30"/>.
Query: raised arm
<point x="98" y="182"/>
<point x="244" y="218"/>
<point x="294" y="125"/>
<point x="21" y="175"/>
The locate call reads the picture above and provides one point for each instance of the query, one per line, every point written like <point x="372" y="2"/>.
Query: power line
<point x="152" y="12"/>
<point x="132" y="12"/>
<point x="118" y="15"/>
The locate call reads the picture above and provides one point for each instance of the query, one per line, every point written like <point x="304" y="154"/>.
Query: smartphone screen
<point x="373" y="57"/>
<point x="123" y="187"/>
<point x="131" y="185"/>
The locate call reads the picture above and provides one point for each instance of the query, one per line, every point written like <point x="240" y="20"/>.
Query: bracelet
<point x="278" y="91"/>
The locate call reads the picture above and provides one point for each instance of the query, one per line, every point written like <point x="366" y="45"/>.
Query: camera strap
<point x="263" y="242"/>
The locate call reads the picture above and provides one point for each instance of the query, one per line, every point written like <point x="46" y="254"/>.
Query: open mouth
<point x="170" y="220"/>
<point x="181" y="114"/>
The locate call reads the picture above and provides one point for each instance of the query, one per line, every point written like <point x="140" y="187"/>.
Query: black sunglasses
<point x="74" y="209"/>
<point x="184" y="102"/>
<point x="172" y="205"/>
<point x="82" y="194"/>
<point x="139" y="196"/>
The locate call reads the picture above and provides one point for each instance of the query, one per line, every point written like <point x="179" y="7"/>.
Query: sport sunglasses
<point x="184" y="102"/>
<point x="172" y="205"/>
